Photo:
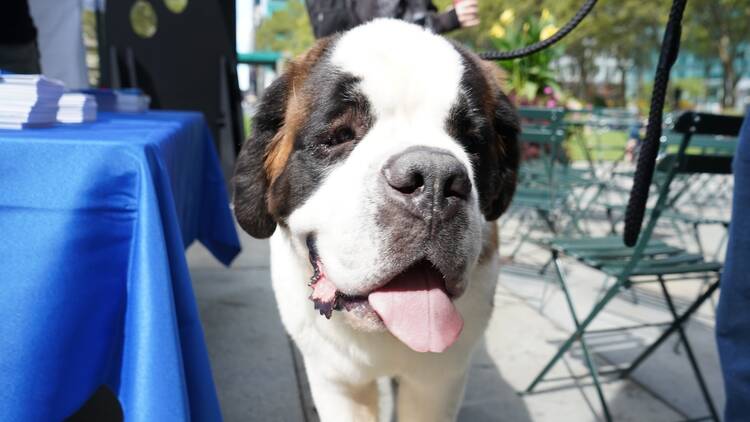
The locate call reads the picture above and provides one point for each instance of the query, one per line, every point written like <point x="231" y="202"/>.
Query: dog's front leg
<point x="432" y="398"/>
<point x="342" y="401"/>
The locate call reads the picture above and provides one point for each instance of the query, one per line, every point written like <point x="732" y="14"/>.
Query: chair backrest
<point x="614" y="118"/>
<point x="697" y="163"/>
<point x="551" y="115"/>
<point x="712" y="134"/>
<point x="704" y="144"/>
<point x="542" y="125"/>
<point x="693" y="123"/>
<point x="688" y="125"/>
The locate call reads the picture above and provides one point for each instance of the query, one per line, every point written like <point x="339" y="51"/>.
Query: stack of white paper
<point x="132" y="100"/>
<point x="28" y="101"/>
<point x="77" y="108"/>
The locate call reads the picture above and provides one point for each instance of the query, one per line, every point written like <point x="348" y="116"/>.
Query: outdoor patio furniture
<point x="546" y="181"/>
<point x="553" y="197"/>
<point x="703" y="193"/>
<point x="650" y="261"/>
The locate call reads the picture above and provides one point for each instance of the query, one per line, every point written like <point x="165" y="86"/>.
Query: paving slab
<point x="519" y="341"/>
<point x="250" y="354"/>
<point x="666" y="373"/>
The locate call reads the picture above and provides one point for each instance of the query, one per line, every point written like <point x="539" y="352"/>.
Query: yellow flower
<point x="506" y="18"/>
<point x="546" y="15"/>
<point x="526" y="27"/>
<point x="497" y="31"/>
<point x="547" y="32"/>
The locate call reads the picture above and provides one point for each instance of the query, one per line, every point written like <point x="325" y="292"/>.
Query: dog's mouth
<point x="414" y="305"/>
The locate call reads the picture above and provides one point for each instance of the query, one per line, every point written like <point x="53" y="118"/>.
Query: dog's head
<point x="381" y="153"/>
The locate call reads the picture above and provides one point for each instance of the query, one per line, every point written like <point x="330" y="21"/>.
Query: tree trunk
<point x="584" y="90"/>
<point x="728" y="83"/>
<point x="727" y="53"/>
<point x="623" y="83"/>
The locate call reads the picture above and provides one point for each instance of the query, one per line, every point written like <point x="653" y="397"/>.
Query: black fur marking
<point x="337" y="104"/>
<point x="250" y="180"/>
<point x="491" y="139"/>
<point x="339" y="116"/>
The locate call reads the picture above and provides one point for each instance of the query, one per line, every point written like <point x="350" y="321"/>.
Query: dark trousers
<point x="733" y="313"/>
<point x="20" y="58"/>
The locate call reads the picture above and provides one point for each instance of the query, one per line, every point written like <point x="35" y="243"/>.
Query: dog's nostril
<point x="458" y="186"/>
<point x="406" y="182"/>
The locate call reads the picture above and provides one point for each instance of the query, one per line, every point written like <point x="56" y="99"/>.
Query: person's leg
<point x="733" y="313"/>
<point x="20" y="58"/>
<point x="60" y="40"/>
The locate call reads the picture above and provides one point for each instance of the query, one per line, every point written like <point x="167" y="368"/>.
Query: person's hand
<point x="467" y="12"/>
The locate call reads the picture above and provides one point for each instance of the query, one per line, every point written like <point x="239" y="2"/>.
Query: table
<point x="94" y="286"/>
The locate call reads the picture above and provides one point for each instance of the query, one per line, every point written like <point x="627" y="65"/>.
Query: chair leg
<point x="612" y="222"/>
<point x="545" y="266"/>
<point x="545" y="288"/>
<point x="547" y="218"/>
<point x="522" y="235"/>
<point x="582" y="215"/>
<point x="579" y="334"/>
<point x="689" y="350"/>
<point x="611" y="293"/>
<point x="668" y="332"/>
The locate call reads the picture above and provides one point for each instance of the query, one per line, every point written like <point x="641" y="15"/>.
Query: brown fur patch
<point x="490" y="243"/>
<point x="280" y="149"/>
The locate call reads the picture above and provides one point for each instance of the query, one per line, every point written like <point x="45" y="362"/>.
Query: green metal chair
<point x="549" y="188"/>
<point x="535" y="198"/>
<point x="650" y="261"/>
<point x="691" y="190"/>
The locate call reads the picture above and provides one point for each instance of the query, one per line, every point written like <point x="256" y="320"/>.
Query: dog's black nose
<point x="429" y="180"/>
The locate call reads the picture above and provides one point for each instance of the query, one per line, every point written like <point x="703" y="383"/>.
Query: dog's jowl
<point x="378" y="165"/>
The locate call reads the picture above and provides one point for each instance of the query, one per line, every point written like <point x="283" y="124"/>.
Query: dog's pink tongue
<point x="416" y="309"/>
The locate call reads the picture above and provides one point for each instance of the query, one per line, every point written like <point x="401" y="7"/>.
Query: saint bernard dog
<point x="379" y="162"/>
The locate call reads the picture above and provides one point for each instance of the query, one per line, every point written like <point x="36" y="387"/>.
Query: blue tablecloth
<point x="94" y="287"/>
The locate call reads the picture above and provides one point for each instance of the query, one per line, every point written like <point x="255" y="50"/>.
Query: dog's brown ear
<point x="264" y="156"/>
<point x="250" y="179"/>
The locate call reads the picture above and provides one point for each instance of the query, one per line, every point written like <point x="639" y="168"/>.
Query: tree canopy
<point x="287" y="30"/>
<point x="627" y="32"/>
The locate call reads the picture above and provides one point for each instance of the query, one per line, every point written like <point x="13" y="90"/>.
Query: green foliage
<point x="692" y="88"/>
<point x="628" y="31"/>
<point x="718" y="30"/>
<point x="91" y="42"/>
<point x="527" y="77"/>
<point x="478" y="37"/>
<point x="287" y="31"/>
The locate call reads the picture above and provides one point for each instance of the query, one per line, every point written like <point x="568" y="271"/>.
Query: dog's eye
<point x="341" y="135"/>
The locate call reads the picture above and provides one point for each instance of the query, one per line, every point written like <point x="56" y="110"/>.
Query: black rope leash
<point x="644" y="171"/>
<point x="541" y="45"/>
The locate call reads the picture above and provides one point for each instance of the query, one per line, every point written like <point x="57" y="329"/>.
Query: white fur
<point x="343" y="363"/>
<point x="411" y="78"/>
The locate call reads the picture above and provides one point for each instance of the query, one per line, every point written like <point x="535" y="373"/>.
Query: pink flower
<point x="551" y="103"/>
<point x="548" y="90"/>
